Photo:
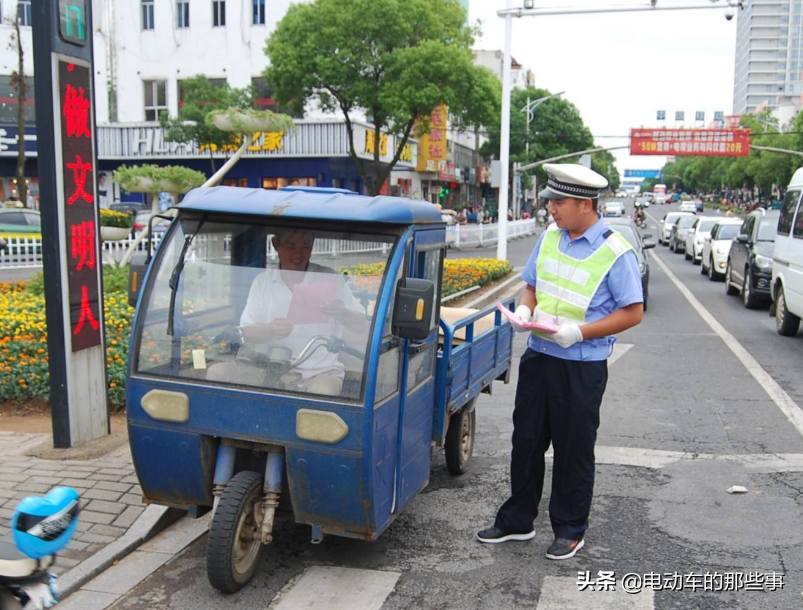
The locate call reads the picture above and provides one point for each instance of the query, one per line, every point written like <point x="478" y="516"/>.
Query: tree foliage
<point x="762" y="168"/>
<point x="556" y="129"/>
<point x="394" y="60"/>
<point x="201" y="97"/>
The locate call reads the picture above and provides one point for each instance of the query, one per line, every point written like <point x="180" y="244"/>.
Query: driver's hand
<point x="336" y="309"/>
<point x="278" y="329"/>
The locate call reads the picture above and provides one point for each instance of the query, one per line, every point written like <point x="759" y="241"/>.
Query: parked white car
<point x="786" y="288"/>
<point x="665" y="228"/>
<point x="696" y="238"/>
<point x="688" y="206"/>
<point x="717" y="246"/>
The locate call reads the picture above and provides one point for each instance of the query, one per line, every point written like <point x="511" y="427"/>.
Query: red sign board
<point x="691" y="142"/>
<point x="78" y="183"/>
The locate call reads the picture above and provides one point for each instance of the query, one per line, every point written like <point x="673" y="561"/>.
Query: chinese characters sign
<point x="78" y="182"/>
<point x="693" y="142"/>
<point x="432" y="146"/>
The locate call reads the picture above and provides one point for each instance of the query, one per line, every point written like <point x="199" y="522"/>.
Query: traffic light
<point x="444" y="192"/>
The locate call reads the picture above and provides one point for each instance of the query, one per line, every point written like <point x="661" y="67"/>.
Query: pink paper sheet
<point x="307" y="299"/>
<point x="546" y="328"/>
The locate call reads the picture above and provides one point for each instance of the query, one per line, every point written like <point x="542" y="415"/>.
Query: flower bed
<point x="458" y="273"/>
<point x="23" y="330"/>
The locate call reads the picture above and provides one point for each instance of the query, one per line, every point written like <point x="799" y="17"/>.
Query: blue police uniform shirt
<point x="620" y="288"/>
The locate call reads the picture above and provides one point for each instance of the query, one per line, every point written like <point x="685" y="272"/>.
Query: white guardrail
<point x="26" y="252"/>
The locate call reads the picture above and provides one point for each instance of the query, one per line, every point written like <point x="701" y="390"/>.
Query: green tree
<point x="394" y="60"/>
<point x="556" y="129"/>
<point x="200" y="98"/>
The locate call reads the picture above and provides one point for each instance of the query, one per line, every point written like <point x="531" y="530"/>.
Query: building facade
<point x="769" y="58"/>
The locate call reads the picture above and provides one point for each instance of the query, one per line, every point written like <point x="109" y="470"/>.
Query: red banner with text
<point x="690" y="142"/>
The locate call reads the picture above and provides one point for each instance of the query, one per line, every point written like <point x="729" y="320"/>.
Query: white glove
<point x="40" y="597"/>
<point x="568" y="334"/>
<point x="524" y="313"/>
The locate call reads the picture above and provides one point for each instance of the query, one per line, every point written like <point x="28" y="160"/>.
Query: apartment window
<point x="259" y="12"/>
<point x="155" y="98"/>
<point x="24" y="12"/>
<point x="218" y="13"/>
<point x="183" y="7"/>
<point x="182" y="91"/>
<point x="9" y="101"/>
<point x="147" y="14"/>
<point x="263" y="98"/>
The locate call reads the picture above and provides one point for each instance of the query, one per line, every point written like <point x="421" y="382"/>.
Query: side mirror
<point x="649" y="244"/>
<point x="743" y="238"/>
<point x="136" y="275"/>
<point x="412" y="311"/>
<point x="646" y="235"/>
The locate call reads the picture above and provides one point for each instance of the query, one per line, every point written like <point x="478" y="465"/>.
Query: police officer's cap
<point x="572" y="180"/>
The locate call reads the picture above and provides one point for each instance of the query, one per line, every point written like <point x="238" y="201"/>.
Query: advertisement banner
<point x="432" y="146"/>
<point x="693" y="142"/>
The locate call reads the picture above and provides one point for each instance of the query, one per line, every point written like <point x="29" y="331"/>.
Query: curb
<point x="152" y="521"/>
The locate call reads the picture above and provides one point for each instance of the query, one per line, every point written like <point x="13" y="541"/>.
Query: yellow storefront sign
<point x="432" y="146"/>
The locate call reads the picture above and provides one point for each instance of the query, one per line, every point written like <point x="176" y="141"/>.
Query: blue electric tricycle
<point x="290" y="357"/>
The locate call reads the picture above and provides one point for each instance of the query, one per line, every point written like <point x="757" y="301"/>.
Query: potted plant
<point x="249" y="120"/>
<point x="114" y="225"/>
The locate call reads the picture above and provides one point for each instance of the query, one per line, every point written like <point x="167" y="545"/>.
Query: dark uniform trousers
<point x="557" y="401"/>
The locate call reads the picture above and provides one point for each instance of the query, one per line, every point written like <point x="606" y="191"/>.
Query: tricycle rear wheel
<point x="233" y="551"/>
<point x="460" y="439"/>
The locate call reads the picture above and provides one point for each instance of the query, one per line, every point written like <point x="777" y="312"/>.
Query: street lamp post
<point x="528" y="11"/>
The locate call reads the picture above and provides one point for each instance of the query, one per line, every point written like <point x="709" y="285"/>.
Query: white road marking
<point x="563" y="593"/>
<point x="331" y="588"/>
<point x="619" y="350"/>
<point x="778" y="395"/>
<point x="657" y="458"/>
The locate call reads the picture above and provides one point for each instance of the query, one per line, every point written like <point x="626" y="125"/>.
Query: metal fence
<point x="26" y="252"/>
<point x="477" y="236"/>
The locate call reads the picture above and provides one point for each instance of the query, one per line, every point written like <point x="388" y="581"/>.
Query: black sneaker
<point x="494" y="536"/>
<point x="563" y="549"/>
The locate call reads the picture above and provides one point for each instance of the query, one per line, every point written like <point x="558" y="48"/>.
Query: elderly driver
<point x="265" y="323"/>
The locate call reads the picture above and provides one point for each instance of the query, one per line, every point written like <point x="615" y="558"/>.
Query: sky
<point x="620" y="69"/>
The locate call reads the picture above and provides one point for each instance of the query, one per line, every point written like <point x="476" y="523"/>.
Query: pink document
<point x="307" y="299"/>
<point x="545" y="328"/>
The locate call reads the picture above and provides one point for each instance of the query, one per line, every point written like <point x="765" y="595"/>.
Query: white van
<point x="787" y="266"/>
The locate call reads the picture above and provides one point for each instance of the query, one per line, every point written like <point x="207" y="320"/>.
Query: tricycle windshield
<point x="281" y="309"/>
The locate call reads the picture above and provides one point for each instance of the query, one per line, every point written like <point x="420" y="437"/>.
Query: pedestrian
<point x="583" y="278"/>
<point x="541" y="213"/>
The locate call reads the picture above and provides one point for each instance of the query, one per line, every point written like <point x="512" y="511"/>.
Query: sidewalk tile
<point x="39" y="488"/>
<point x="88" y="600"/>
<point x="129" y="515"/>
<point x="13" y="478"/>
<point x="11" y="469"/>
<point x="49" y="466"/>
<point x="102" y="506"/>
<point x="109" y="486"/>
<point x="77" y="482"/>
<point x="93" y="517"/>
<point x="105" y="477"/>
<point x="73" y="473"/>
<point x="6" y="513"/>
<point x="96" y="538"/>
<point x="76" y="545"/>
<point x="6" y="493"/>
<point x="107" y="530"/>
<point x="135" y="499"/>
<point x="133" y="479"/>
<point x="34" y="472"/>
<point x="100" y="494"/>
<point x="51" y="480"/>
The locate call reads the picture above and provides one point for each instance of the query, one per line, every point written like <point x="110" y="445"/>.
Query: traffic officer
<point x="584" y="279"/>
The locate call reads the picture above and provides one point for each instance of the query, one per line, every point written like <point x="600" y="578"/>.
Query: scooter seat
<point x="13" y="564"/>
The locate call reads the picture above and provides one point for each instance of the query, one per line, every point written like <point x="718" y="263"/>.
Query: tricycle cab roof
<point x="311" y="203"/>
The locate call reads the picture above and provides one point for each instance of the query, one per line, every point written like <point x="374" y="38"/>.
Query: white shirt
<point x="269" y="299"/>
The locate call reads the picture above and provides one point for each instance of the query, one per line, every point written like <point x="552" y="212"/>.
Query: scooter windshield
<point x="279" y="309"/>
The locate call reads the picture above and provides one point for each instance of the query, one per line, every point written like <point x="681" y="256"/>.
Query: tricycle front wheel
<point x="460" y="440"/>
<point x="234" y="550"/>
